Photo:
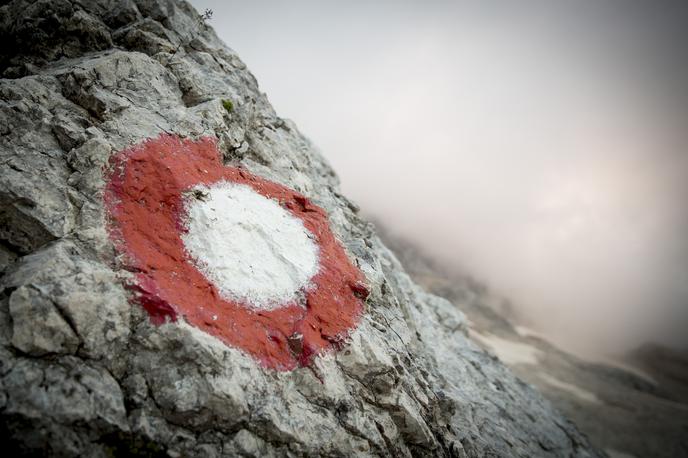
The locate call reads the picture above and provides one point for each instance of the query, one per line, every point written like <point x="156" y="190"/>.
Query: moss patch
<point x="228" y="105"/>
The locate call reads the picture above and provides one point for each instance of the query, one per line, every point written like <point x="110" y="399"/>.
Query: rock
<point x="61" y="287"/>
<point x="84" y="371"/>
<point x="34" y="203"/>
<point x="38" y="32"/>
<point x="52" y="407"/>
<point x="38" y="328"/>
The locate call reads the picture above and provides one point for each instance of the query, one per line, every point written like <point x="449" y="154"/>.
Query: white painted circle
<point x="253" y="250"/>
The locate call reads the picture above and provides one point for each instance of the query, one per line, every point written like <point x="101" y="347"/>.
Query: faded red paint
<point x="144" y="201"/>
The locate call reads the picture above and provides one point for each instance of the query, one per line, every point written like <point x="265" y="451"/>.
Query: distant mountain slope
<point x="633" y="407"/>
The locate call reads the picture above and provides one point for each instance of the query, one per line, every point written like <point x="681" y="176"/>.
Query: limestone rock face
<point x="83" y="371"/>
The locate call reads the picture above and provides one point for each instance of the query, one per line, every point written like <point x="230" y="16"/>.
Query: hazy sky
<point x="540" y="146"/>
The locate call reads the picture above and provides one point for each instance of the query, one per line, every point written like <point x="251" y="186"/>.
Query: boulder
<point x="84" y="370"/>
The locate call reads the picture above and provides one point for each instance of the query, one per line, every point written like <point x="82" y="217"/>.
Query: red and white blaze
<point x="246" y="260"/>
<point x="250" y="248"/>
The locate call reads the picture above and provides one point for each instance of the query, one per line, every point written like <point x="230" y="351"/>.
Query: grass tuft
<point x="228" y="105"/>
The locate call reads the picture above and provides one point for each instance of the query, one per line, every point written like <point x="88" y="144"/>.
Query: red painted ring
<point x="145" y="212"/>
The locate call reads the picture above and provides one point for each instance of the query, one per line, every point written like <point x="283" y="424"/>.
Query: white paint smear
<point x="251" y="248"/>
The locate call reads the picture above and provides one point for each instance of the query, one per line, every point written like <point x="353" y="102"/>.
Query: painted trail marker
<point x="244" y="259"/>
<point x="251" y="248"/>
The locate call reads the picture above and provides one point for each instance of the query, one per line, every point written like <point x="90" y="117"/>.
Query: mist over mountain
<point x="539" y="146"/>
<point x="634" y="404"/>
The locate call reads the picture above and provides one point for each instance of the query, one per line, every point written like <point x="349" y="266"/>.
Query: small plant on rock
<point x="228" y="105"/>
<point x="202" y="19"/>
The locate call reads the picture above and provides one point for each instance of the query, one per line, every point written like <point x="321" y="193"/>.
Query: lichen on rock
<point x="84" y="371"/>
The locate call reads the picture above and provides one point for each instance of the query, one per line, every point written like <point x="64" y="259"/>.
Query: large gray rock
<point x="85" y="372"/>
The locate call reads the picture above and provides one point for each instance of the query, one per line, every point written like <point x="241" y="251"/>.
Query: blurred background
<point x="538" y="146"/>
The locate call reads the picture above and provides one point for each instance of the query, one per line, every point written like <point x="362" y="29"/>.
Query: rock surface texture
<point x="83" y="371"/>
